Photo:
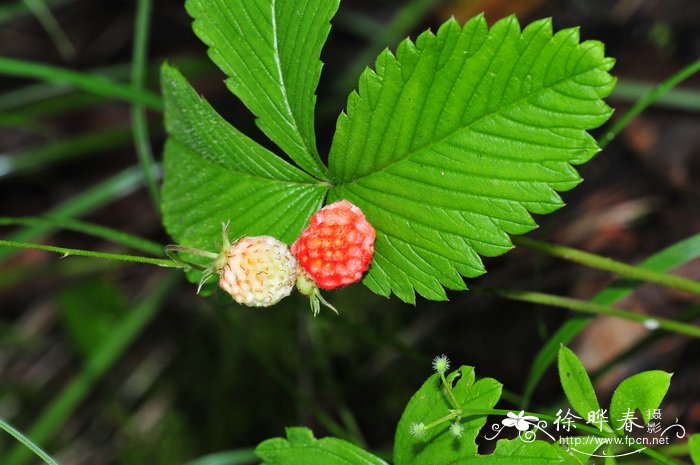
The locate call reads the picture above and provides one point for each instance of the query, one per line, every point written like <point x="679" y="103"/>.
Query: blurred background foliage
<point x="112" y="363"/>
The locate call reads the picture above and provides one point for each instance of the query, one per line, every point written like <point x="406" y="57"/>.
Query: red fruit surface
<point x="337" y="247"/>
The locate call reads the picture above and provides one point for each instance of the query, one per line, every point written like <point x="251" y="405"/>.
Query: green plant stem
<point x="43" y="14"/>
<point x="647" y="100"/>
<point x="101" y="360"/>
<point x="139" y="121"/>
<point x="91" y="229"/>
<point x="66" y="252"/>
<point x="450" y="416"/>
<point x="117" y="186"/>
<point x="663" y="261"/>
<point x="589" y="307"/>
<point x="632" y="89"/>
<point x="607" y="264"/>
<point x="98" y="85"/>
<point x="26" y="442"/>
<point x="10" y="12"/>
<point x="688" y="314"/>
<point x="448" y="388"/>
<point x="550" y="418"/>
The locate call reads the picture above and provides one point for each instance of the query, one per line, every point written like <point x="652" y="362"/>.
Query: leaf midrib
<point x="310" y="151"/>
<point x="427" y="146"/>
<point x="280" y="75"/>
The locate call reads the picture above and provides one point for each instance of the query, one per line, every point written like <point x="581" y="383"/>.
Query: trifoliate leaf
<point x="449" y="145"/>
<point x="270" y="49"/>
<point x="215" y="174"/>
<point x="431" y="403"/>
<point x="301" y="448"/>
<point x="438" y="444"/>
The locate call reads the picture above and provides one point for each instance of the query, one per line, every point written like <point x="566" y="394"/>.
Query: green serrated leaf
<point x="694" y="448"/>
<point x="576" y="383"/>
<point x="429" y="404"/>
<point x="301" y="448"/>
<point x="270" y="49"/>
<point x="450" y="145"/>
<point x="517" y="452"/>
<point x="438" y="445"/>
<point x="644" y="392"/>
<point x="215" y="174"/>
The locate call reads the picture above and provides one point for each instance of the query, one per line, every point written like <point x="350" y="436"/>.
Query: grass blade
<point x="96" y="230"/>
<point x="680" y="99"/>
<point x="18" y="9"/>
<point x="43" y="14"/>
<point x="647" y="100"/>
<point x="113" y="188"/>
<point x="139" y="122"/>
<point x="607" y="264"/>
<point x="585" y="306"/>
<point x="40" y="92"/>
<point x="88" y="82"/>
<point x="24" y="440"/>
<point x="102" y="359"/>
<point x="663" y="261"/>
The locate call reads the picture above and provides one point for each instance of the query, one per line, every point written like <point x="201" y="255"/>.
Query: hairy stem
<point x="591" y="307"/>
<point x="95" y="230"/>
<point x="448" y="388"/>
<point x="607" y="264"/>
<point x="66" y="252"/>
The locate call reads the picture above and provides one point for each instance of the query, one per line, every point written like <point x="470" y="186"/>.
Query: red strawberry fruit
<point x="337" y="247"/>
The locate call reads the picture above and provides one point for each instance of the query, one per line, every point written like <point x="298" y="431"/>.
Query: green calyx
<point x="218" y="260"/>
<point x="307" y="286"/>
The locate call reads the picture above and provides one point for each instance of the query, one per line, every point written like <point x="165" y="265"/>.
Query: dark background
<point x="206" y="375"/>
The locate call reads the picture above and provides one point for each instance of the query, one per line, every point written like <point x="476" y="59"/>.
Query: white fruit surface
<point x="259" y="271"/>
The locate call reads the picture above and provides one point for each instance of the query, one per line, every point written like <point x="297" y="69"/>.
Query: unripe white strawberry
<point x="257" y="271"/>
